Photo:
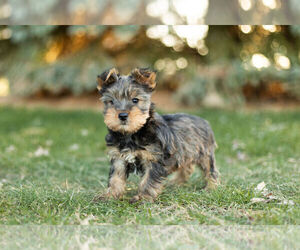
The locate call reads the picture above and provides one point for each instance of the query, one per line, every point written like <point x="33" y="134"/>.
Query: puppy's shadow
<point x="196" y="182"/>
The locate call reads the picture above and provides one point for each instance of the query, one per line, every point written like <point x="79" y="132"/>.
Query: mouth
<point x="123" y="122"/>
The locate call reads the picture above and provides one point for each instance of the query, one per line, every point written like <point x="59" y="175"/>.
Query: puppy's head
<point x="127" y="99"/>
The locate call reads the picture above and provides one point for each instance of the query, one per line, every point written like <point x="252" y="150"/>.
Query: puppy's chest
<point x="131" y="150"/>
<point x="135" y="157"/>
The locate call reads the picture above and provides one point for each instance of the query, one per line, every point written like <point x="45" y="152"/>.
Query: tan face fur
<point x="120" y="95"/>
<point x="136" y="120"/>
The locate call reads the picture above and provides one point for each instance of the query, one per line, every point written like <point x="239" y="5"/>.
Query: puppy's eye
<point x="111" y="102"/>
<point x="135" y="100"/>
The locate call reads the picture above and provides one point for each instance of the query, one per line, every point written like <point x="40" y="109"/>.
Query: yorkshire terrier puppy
<point x="142" y="141"/>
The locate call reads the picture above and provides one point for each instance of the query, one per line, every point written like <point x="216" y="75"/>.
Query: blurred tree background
<point x="169" y="12"/>
<point x="197" y="64"/>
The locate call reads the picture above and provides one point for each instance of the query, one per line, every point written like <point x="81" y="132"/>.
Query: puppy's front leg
<point x="151" y="183"/>
<point x="116" y="181"/>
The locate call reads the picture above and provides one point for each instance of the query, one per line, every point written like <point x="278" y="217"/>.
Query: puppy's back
<point x="190" y="129"/>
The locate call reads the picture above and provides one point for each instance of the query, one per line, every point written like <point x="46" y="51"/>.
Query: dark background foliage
<point x="197" y="64"/>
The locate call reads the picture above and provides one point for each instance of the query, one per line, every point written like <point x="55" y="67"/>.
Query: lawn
<point x="52" y="164"/>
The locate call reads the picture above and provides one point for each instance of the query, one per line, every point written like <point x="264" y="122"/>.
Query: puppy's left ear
<point x="145" y="76"/>
<point x="107" y="77"/>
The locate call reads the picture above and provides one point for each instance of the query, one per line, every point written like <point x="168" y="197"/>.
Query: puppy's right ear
<point x="145" y="77"/>
<point x="107" y="77"/>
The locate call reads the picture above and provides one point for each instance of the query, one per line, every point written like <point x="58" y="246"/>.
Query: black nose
<point x="123" y="116"/>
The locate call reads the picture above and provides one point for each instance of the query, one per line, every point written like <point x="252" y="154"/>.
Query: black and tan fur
<point x="150" y="144"/>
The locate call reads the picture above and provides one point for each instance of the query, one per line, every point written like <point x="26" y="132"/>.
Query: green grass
<point x="58" y="188"/>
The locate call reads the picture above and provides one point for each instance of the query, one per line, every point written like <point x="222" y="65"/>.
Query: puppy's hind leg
<point x="183" y="174"/>
<point x="211" y="174"/>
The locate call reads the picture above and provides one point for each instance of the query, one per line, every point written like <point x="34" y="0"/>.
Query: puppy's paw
<point x="108" y="195"/>
<point x="101" y="197"/>
<point x="135" y="199"/>
<point x="142" y="198"/>
<point x="211" y="184"/>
